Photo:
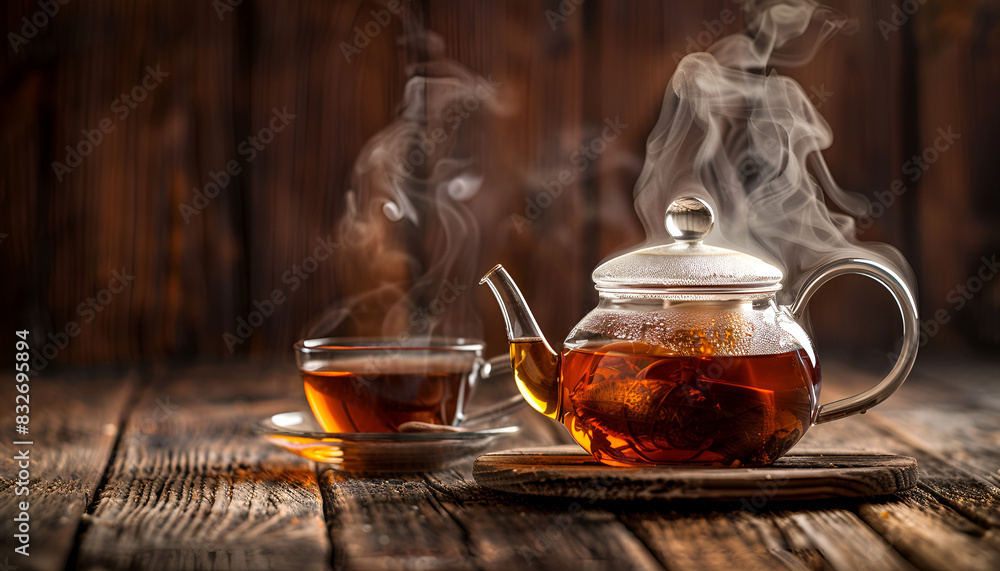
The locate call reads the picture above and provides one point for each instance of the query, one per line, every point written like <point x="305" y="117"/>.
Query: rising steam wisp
<point x="749" y="141"/>
<point x="409" y="240"/>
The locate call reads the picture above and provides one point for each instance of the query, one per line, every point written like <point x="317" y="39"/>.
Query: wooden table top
<point x="154" y="467"/>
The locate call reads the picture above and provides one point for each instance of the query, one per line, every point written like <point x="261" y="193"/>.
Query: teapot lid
<point x="687" y="265"/>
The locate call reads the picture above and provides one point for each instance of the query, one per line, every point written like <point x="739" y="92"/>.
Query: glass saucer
<point x="299" y="433"/>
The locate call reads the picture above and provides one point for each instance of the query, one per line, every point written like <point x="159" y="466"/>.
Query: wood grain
<point x="389" y="522"/>
<point x="953" y="416"/>
<point x="815" y="539"/>
<point x="569" y="471"/>
<point x="443" y="520"/>
<point x="932" y="535"/>
<point x="191" y="486"/>
<point x="948" y="441"/>
<point x="843" y="538"/>
<point x="951" y="80"/>
<point x="74" y="424"/>
<point x="196" y="278"/>
<point x="956" y="501"/>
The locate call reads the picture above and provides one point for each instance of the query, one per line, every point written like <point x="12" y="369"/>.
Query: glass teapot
<point x="688" y="358"/>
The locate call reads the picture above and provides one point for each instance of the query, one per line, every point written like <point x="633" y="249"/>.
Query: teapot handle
<point x="863" y="401"/>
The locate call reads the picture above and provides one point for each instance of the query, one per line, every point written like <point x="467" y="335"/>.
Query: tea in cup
<point x="376" y="385"/>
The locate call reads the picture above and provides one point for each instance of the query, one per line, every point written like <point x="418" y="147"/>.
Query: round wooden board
<point x="568" y="471"/>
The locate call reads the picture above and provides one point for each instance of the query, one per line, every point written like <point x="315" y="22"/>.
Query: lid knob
<point x="689" y="219"/>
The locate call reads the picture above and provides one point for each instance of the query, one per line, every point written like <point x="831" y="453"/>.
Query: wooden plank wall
<point x="229" y="69"/>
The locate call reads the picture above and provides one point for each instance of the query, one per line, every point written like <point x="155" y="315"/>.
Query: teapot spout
<point x="535" y="364"/>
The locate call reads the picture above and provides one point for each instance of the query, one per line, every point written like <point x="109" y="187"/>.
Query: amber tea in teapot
<point x="688" y="357"/>
<point x="629" y="403"/>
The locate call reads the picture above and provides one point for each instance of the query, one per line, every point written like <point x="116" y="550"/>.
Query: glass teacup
<point x="379" y="384"/>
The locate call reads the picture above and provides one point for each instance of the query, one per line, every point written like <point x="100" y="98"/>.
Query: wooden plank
<point x="444" y="520"/>
<point x="191" y="487"/>
<point x="947" y="424"/>
<point x="956" y="504"/>
<point x="857" y="82"/>
<point x="932" y="535"/>
<point x="959" y="489"/>
<point x="564" y="471"/>
<point x="22" y="111"/>
<point x="393" y="521"/>
<point x="843" y="539"/>
<point x="760" y="531"/>
<point x="958" y="484"/>
<point x="227" y="74"/>
<point x="390" y="522"/>
<point x="193" y="490"/>
<point x="951" y="411"/>
<point x="74" y="420"/>
<point x="686" y="540"/>
<point x="509" y="531"/>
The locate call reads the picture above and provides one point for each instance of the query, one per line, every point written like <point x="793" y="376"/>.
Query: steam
<point x="744" y="138"/>
<point x="409" y="242"/>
